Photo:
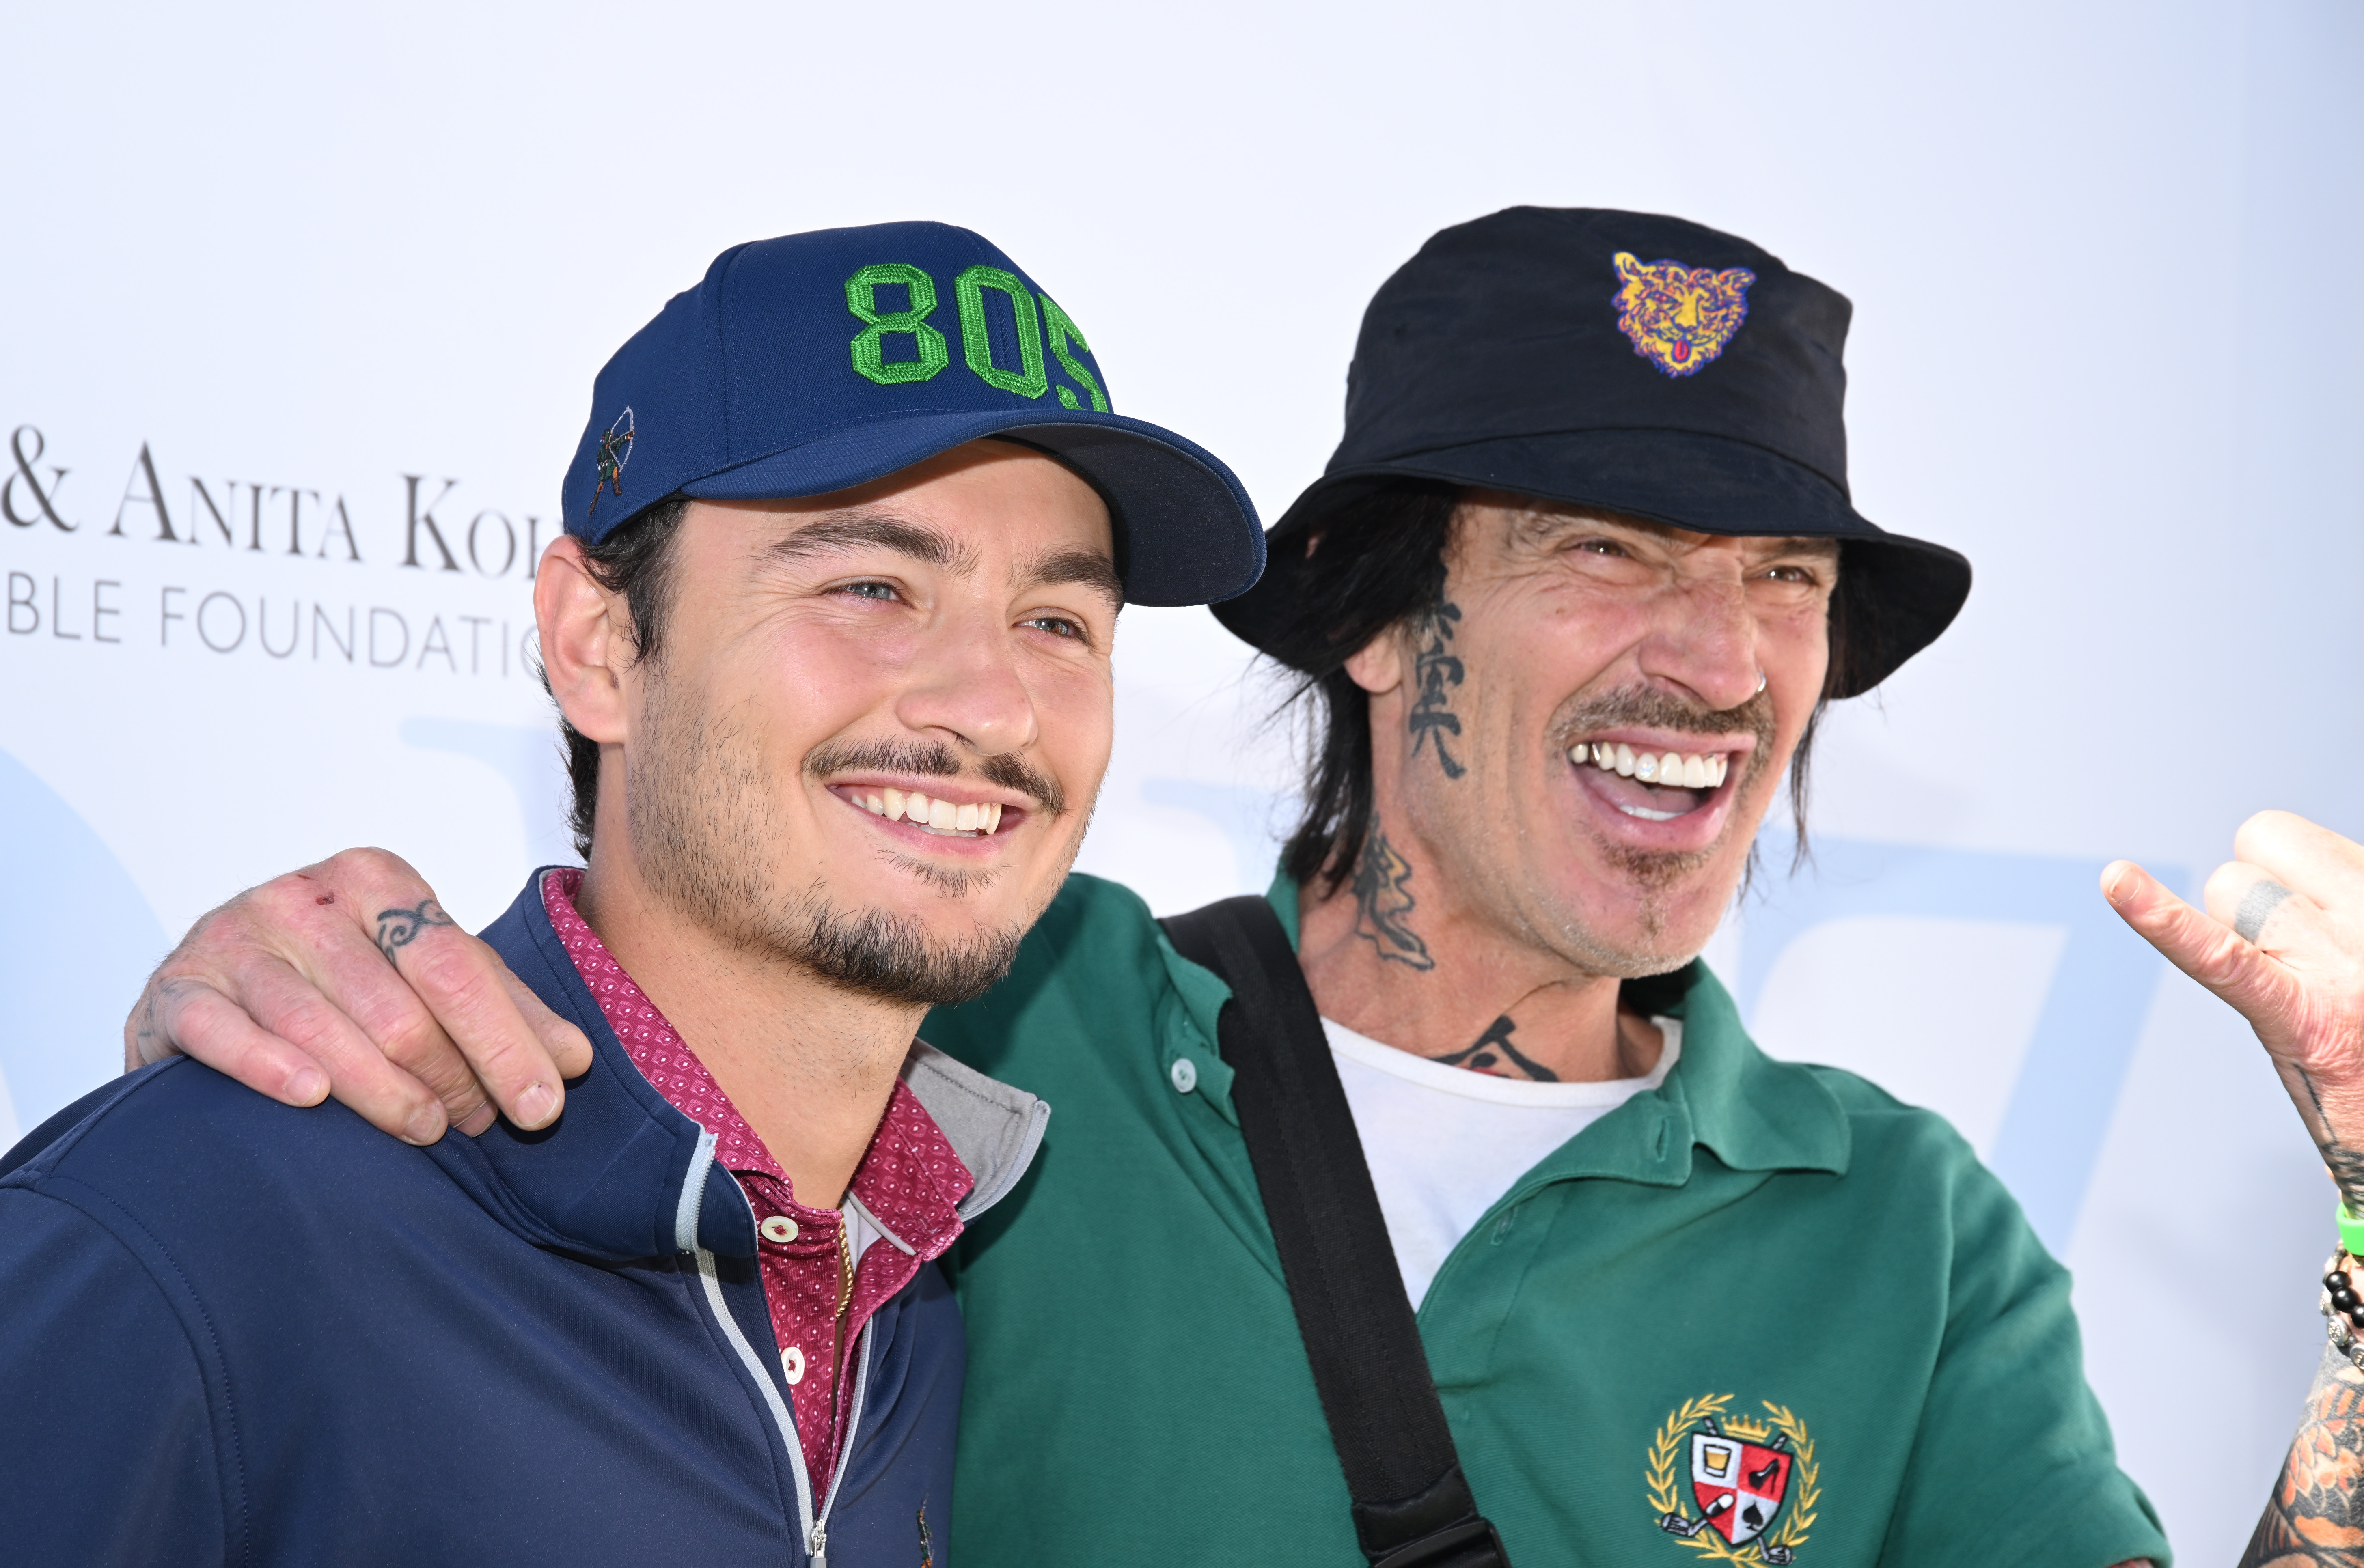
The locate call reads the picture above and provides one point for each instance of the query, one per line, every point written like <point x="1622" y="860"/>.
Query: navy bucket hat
<point x="1637" y="364"/>
<point x="815" y="362"/>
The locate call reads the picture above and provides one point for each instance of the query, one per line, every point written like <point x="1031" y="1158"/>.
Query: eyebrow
<point x="845" y="534"/>
<point x="1089" y="567"/>
<point x="1553" y="524"/>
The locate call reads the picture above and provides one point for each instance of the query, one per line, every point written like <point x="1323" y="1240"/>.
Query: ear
<point x="586" y="640"/>
<point x="1378" y="665"/>
<point x="1735" y="279"/>
<point x="1627" y="266"/>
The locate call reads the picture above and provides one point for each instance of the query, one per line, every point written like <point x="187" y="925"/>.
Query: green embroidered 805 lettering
<point x="1036" y="317"/>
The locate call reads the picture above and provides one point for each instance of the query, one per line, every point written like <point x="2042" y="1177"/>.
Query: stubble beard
<point x="709" y="839"/>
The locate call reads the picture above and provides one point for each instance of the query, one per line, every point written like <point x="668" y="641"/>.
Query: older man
<point x="1567" y="604"/>
<point x="829" y="632"/>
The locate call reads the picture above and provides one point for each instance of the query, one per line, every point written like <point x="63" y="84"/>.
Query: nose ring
<point x="1760" y="680"/>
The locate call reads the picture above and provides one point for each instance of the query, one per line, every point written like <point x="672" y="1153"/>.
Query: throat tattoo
<point x="1492" y="1050"/>
<point x="1384" y="903"/>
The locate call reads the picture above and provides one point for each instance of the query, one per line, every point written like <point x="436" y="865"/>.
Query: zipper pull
<point x="817" y="1547"/>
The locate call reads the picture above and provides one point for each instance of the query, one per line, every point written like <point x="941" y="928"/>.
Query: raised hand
<point x="2282" y="941"/>
<point x="347" y="978"/>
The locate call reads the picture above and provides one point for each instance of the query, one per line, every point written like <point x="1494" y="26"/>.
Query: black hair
<point x="636" y="561"/>
<point x="1376" y="564"/>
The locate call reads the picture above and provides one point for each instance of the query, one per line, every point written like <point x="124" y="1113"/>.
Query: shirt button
<point x="780" y="1228"/>
<point x="1185" y="1073"/>
<point x="793" y="1359"/>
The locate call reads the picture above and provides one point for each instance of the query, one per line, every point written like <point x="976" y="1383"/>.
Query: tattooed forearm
<point x="1383" y="904"/>
<point x="400" y="928"/>
<point x="1494" y="1048"/>
<point x="1433" y="669"/>
<point x="2345" y="1162"/>
<point x="2316" y="1518"/>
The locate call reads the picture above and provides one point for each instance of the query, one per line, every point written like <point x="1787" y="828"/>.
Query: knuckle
<point x="442" y="962"/>
<point x="2220" y="965"/>
<point x="281" y="901"/>
<point x="368" y="865"/>
<point x="502" y="1056"/>
<point x="307" y="1022"/>
<point x="396" y="1018"/>
<point x="418" y="1048"/>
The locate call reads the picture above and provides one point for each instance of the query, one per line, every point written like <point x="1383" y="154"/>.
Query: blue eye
<point x="1057" y="626"/>
<point x="870" y="590"/>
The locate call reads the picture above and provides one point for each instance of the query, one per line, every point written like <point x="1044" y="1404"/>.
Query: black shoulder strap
<point x="1412" y="1508"/>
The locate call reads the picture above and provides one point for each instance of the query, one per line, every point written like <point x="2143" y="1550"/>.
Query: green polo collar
<point x="1723" y="1094"/>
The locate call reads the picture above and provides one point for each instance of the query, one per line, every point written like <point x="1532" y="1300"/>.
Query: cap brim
<point x="1186" y="532"/>
<point x="1895" y="595"/>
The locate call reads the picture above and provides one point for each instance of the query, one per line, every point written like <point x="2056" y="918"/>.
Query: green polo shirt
<point x="1758" y="1270"/>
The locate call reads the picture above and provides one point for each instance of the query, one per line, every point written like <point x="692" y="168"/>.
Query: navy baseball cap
<point x="1637" y="364"/>
<point x="815" y="362"/>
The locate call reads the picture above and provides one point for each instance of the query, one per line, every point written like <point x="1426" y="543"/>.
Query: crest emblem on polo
<point x="1734" y="1488"/>
<point x="614" y="451"/>
<point x="1680" y="317"/>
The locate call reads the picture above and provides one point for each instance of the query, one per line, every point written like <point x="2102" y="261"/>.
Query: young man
<point x="1569" y="601"/>
<point x="829" y="631"/>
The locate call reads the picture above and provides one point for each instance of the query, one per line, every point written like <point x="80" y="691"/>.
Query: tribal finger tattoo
<point x="400" y="928"/>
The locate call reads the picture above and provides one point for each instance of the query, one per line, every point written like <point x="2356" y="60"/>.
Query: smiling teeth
<point x="935" y="816"/>
<point x="1669" y="770"/>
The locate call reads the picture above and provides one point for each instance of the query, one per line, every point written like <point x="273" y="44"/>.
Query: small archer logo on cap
<point x="614" y="451"/>
<point x="1680" y="317"/>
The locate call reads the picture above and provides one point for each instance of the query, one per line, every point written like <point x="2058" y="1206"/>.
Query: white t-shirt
<point x="1445" y="1143"/>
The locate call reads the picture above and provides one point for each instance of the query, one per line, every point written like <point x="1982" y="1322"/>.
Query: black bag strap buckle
<point x="1439" y="1529"/>
<point x="1469" y="1544"/>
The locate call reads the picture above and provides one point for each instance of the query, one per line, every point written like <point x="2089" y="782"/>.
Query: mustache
<point x="935" y="759"/>
<point x="1648" y="708"/>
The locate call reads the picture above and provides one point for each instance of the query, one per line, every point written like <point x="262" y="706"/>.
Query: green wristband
<point x="2351" y="1232"/>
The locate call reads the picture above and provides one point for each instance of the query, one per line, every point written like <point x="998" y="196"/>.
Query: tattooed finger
<point x="2257" y="907"/>
<point x="400" y="928"/>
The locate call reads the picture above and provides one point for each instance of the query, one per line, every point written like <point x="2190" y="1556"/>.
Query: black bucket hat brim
<point x="1895" y="595"/>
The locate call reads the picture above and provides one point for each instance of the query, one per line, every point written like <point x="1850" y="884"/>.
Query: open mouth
<point x="1653" y="787"/>
<point x="930" y="815"/>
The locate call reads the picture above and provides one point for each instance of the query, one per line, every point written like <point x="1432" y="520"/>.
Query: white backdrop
<point x="294" y="294"/>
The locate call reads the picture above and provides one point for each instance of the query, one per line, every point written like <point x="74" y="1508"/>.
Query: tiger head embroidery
<point x="1680" y="317"/>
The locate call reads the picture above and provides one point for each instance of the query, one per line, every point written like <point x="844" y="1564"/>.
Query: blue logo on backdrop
<point x="76" y="942"/>
<point x="2069" y="1082"/>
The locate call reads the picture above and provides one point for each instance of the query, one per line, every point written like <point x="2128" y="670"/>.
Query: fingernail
<point x="537" y="1104"/>
<point x="308" y="1086"/>
<point x="425" y="1126"/>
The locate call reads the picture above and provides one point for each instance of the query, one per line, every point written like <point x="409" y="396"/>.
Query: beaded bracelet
<point x="2344" y="1307"/>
